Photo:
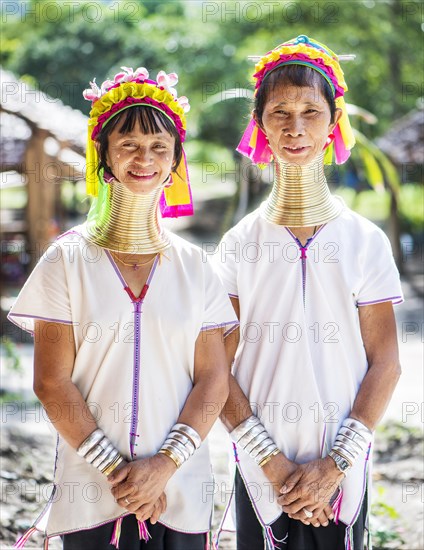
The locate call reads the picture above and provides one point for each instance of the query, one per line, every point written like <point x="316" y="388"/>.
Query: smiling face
<point x="297" y="122"/>
<point x="141" y="162"/>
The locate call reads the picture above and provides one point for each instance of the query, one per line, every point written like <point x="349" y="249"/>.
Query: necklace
<point x="300" y="196"/>
<point x="134" y="266"/>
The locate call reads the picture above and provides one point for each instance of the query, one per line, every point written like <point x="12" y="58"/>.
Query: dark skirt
<point x="296" y="535"/>
<point x="163" y="538"/>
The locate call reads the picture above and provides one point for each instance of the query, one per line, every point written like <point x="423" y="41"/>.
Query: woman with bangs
<point x="129" y="322"/>
<point x="316" y="358"/>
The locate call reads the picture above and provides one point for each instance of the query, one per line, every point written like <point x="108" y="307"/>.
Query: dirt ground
<point x="27" y="464"/>
<point x="27" y="451"/>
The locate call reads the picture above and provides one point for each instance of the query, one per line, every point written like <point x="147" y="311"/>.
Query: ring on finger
<point x="307" y="513"/>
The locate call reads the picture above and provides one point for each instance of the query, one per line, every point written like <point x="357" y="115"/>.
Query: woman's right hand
<point x="157" y="509"/>
<point x="139" y="484"/>
<point x="278" y="469"/>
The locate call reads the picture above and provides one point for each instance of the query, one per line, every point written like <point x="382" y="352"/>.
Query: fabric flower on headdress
<point x="310" y="53"/>
<point x="127" y="89"/>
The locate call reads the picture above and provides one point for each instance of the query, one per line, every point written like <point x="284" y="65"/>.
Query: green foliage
<point x="411" y="209"/>
<point x="12" y="360"/>
<point x="382" y="514"/>
<point x="64" y="45"/>
<point x="377" y="166"/>
<point x="371" y="205"/>
<point x="61" y="46"/>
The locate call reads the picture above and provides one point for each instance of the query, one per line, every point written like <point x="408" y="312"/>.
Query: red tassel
<point x="116" y="533"/>
<point x="336" y="506"/>
<point x="20" y="543"/>
<point x="210" y="544"/>
<point x="143" y="532"/>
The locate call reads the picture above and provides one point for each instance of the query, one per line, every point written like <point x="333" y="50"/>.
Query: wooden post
<point x="40" y="174"/>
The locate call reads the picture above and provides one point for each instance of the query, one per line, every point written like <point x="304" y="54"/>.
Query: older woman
<point x="129" y="321"/>
<point x="316" y="357"/>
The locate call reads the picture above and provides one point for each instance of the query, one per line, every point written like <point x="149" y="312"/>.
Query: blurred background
<point x="50" y="51"/>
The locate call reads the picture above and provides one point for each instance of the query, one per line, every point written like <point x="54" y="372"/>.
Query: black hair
<point x="293" y="75"/>
<point x="152" y="121"/>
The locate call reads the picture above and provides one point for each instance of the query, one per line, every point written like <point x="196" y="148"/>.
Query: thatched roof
<point x="404" y="142"/>
<point x="24" y="109"/>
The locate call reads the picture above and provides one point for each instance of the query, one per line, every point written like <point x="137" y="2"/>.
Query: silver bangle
<point x="261" y="447"/>
<point x="249" y="436"/>
<point x="357" y="438"/>
<point x="177" y="445"/>
<point x="267" y="447"/>
<point x="97" y="461"/>
<point x="90" y="442"/>
<point x="175" y="450"/>
<point x="108" y="459"/>
<point x="351" y="434"/>
<point x="350" y="443"/>
<point x="255" y="441"/>
<point x="189" y="432"/>
<point x="252" y="436"/>
<point x="245" y="426"/>
<point x="184" y="439"/>
<point x="268" y="451"/>
<point x="358" y="427"/>
<point x="347" y="449"/>
<point x="352" y="439"/>
<point x="95" y="451"/>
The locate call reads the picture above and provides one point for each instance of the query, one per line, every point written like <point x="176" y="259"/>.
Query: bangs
<point x="151" y="120"/>
<point x="293" y="75"/>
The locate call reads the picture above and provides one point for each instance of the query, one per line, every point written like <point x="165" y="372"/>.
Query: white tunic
<point x="134" y="367"/>
<point x="301" y="358"/>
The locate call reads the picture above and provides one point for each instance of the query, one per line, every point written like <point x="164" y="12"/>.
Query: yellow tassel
<point x="253" y="138"/>
<point x="91" y="177"/>
<point x="344" y="124"/>
<point x="178" y="193"/>
<point x="328" y="155"/>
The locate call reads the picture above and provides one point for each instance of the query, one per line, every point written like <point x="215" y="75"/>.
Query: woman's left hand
<point x="310" y="487"/>
<point x="139" y="484"/>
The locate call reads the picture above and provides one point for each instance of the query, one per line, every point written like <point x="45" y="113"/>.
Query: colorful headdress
<point x="302" y="51"/>
<point x="128" y="89"/>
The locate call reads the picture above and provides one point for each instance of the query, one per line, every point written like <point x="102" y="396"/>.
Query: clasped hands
<point x="138" y="486"/>
<point x="305" y="490"/>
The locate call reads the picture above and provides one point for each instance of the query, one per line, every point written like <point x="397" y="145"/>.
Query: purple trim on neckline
<point x="308" y="242"/>
<point x="394" y="299"/>
<point x="121" y="278"/>
<point x="115" y="267"/>
<point x="69" y="232"/>
<point x="233" y="295"/>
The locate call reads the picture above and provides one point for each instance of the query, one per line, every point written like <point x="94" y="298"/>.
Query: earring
<point x="168" y="182"/>
<point x="330" y="139"/>
<point x="107" y="176"/>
